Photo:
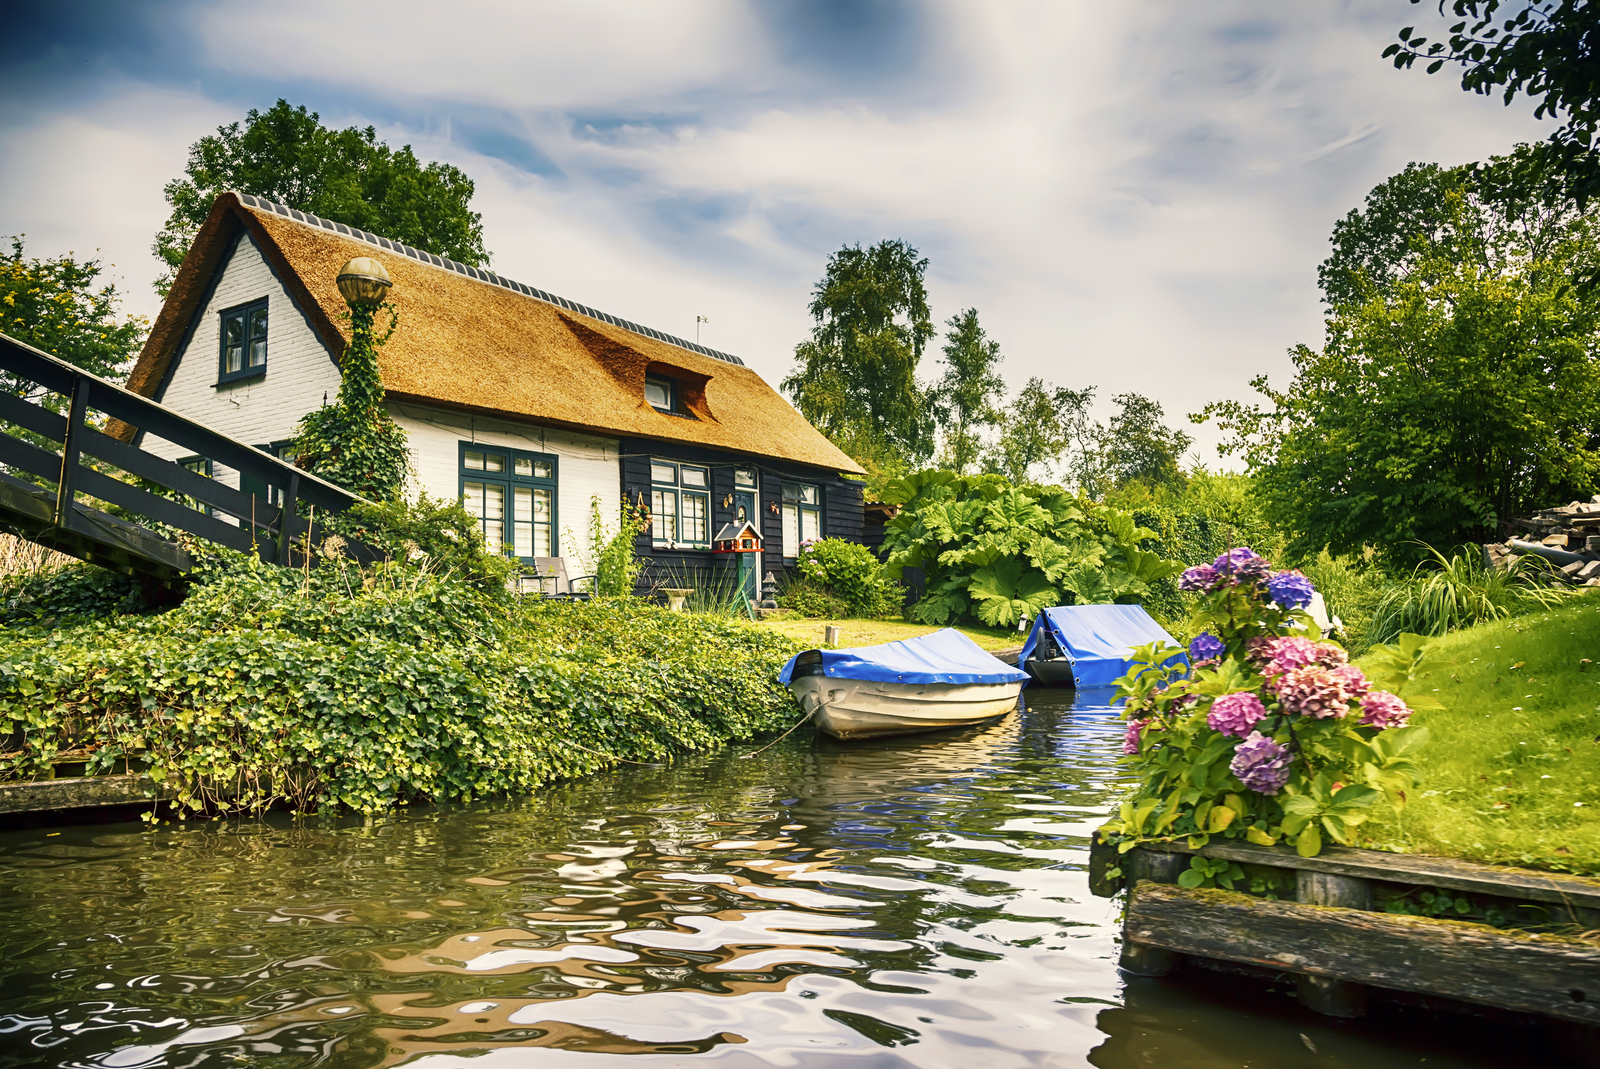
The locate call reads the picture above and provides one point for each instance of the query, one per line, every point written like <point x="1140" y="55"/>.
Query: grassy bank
<point x="367" y="688"/>
<point x="1511" y="773"/>
<point x="809" y="632"/>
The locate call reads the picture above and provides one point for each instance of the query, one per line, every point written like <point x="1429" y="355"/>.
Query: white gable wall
<point x="587" y="466"/>
<point x="256" y="411"/>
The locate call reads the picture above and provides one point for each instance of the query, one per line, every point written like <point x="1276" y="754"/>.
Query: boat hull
<point x="862" y="709"/>
<point x="1052" y="671"/>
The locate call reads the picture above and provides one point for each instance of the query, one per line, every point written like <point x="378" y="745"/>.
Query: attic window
<point x="661" y="393"/>
<point x="244" y="342"/>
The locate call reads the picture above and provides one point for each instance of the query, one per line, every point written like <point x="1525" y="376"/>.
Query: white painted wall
<point x="586" y="466"/>
<point x="261" y="410"/>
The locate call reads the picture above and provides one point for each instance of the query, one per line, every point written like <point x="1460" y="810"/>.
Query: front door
<point x="744" y="509"/>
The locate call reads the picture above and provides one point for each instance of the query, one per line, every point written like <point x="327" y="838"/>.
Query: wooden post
<point x="1336" y="998"/>
<point x="830" y="635"/>
<point x="287" y="520"/>
<point x="65" y="493"/>
<point x="1138" y="864"/>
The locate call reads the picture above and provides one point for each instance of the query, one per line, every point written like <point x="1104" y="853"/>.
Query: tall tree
<point x="60" y="305"/>
<point x="1545" y="49"/>
<point x="349" y="176"/>
<point x="1139" y="447"/>
<point x="1439" y="407"/>
<point x="966" y="397"/>
<point x="1041" y="424"/>
<point x="856" y="378"/>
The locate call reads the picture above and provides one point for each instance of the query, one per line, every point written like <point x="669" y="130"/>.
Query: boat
<point x="942" y="680"/>
<point x="1089" y="645"/>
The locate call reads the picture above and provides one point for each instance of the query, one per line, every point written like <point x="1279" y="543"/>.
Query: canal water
<point x="920" y="902"/>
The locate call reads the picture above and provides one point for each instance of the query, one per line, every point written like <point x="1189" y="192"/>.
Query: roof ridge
<point x="477" y="273"/>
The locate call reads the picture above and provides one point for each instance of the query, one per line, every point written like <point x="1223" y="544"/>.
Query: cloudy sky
<point x="1134" y="196"/>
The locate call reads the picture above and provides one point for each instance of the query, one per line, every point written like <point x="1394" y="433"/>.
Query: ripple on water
<point x="919" y="902"/>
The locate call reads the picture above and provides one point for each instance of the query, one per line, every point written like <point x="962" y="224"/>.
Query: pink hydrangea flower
<point x="1313" y="691"/>
<point x="1287" y="654"/>
<point x="1130" y="738"/>
<point x="1355" y="683"/>
<point x="1236" y="714"/>
<point x="1380" y="709"/>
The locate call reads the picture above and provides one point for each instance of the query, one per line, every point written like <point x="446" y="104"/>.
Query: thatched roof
<point x="474" y="341"/>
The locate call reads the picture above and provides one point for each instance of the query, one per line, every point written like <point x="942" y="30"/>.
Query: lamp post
<point x="363" y="281"/>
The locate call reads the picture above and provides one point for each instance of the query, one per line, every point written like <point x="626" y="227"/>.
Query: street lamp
<point x="363" y="281"/>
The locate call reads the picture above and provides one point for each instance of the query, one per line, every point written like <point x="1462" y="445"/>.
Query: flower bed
<point x="1271" y="735"/>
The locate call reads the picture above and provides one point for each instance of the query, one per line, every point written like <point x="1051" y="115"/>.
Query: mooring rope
<point x="780" y="738"/>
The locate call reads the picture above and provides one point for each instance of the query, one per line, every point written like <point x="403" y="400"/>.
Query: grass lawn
<point x="874" y="632"/>
<point x="1511" y="771"/>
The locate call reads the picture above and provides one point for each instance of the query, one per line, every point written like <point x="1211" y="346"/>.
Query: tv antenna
<point x="697" y="321"/>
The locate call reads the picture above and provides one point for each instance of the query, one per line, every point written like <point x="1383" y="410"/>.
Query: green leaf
<point x="1309" y="842"/>
<point x="1259" y="837"/>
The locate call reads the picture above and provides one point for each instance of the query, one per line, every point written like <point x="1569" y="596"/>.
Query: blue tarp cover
<point x="1098" y="639"/>
<point x="945" y="656"/>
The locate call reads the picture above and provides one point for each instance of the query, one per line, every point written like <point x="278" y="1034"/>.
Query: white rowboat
<point x="943" y="680"/>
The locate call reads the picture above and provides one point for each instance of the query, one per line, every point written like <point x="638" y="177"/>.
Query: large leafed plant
<point x="999" y="552"/>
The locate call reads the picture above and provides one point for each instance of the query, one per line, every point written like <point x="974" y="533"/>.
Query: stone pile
<point x="1568" y="537"/>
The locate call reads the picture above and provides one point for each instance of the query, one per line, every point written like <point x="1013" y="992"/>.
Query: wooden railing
<point x="53" y="515"/>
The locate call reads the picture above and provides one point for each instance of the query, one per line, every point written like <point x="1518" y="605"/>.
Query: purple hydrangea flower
<point x="1205" y="646"/>
<point x="1236" y="714"/>
<point x="1380" y="709"/>
<point x="1291" y="590"/>
<point x="1200" y="577"/>
<point x="1242" y="564"/>
<point x="1130" y="738"/>
<point x="1261" y="764"/>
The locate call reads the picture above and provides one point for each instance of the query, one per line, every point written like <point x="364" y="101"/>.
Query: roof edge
<point x="250" y="200"/>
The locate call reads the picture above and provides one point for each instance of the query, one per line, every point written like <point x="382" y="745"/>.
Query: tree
<point x="1436" y="410"/>
<point x="1139" y="447"/>
<point x="1546" y="49"/>
<point x="967" y="394"/>
<point x="1040" y="424"/>
<point x="1480" y="213"/>
<point x="349" y="176"/>
<point x="59" y="305"/>
<point x="856" y="378"/>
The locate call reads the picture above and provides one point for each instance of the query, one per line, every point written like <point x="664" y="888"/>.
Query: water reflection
<point x="919" y="902"/>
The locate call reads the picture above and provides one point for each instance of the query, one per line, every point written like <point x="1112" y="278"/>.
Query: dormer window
<point x="661" y="393"/>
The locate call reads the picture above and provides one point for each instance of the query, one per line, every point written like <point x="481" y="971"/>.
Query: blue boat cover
<point x="1098" y="640"/>
<point x="945" y="656"/>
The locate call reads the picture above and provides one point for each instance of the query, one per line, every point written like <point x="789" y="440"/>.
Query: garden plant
<point x="1270" y="735"/>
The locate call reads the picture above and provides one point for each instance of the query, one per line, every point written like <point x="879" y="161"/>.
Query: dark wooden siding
<point x="841" y="504"/>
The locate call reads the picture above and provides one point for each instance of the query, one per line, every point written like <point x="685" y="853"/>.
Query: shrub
<point x="428" y="531"/>
<point x="617" y="563"/>
<point x="849" y="574"/>
<point x="1272" y="736"/>
<point x="805" y="598"/>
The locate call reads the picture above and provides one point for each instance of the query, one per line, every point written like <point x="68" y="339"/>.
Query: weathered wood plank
<point x="1336" y="998"/>
<point x="86" y="792"/>
<point x="1474" y="963"/>
<point x="1501" y="880"/>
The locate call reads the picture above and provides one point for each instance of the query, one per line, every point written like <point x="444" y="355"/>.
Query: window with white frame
<point x="802" y="515"/>
<point x="512" y="495"/>
<point x="680" y="505"/>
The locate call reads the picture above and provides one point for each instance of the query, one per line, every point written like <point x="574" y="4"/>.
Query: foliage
<point x="368" y="688"/>
<point x="1446" y="594"/>
<point x="998" y="552"/>
<point x="349" y="176"/>
<point x="849" y="576"/>
<point x="855" y="379"/>
<point x="75" y="591"/>
<point x="1270" y="736"/>
<point x="617" y="563"/>
<point x="354" y="443"/>
<point x="432" y="532"/>
<point x="57" y="305"/>
<point x="806" y="598"/>
<point x="1438" y="409"/>
<point x="1519" y="782"/>
<point x="1546" y="50"/>
<point x="1040" y="424"/>
<point x="967" y="395"/>
<point x="1139" y="448"/>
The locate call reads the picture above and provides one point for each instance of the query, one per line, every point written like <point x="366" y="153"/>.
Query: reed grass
<point x="1445" y="594"/>
<point x="21" y="557"/>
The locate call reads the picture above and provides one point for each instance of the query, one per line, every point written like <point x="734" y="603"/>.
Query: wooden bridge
<point x="78" y="463"/>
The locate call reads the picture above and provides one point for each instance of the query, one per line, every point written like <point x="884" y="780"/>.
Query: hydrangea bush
<point x="1271" y="735"/>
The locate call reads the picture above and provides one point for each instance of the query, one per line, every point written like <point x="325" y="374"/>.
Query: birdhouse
<point x="738" y="537"/>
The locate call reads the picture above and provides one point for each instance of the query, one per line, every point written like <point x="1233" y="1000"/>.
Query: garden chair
<point x="548" y="578"/>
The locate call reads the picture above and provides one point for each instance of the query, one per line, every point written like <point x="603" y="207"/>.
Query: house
<point x="526" y="407"/>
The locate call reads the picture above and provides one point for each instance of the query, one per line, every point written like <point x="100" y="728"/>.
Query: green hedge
<point x="371" y="688"/>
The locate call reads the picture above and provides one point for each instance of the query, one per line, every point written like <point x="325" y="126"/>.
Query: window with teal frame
<point x="680" y="505"/>
<point x="512" y="494"/>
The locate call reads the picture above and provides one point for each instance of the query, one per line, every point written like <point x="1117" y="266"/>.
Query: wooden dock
<point x="1330" y="933"/>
